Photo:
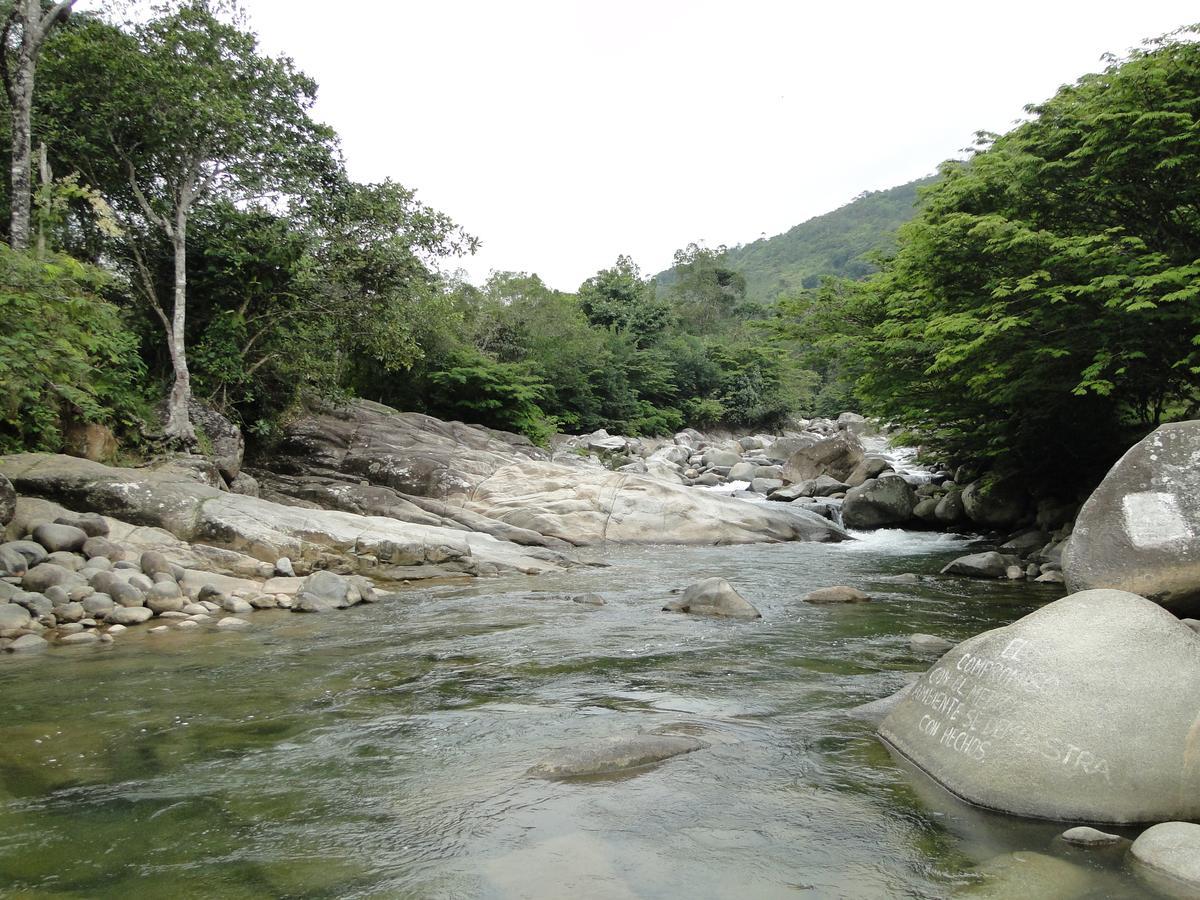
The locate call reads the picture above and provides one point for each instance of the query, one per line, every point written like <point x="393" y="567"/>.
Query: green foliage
<point x="1042" y="312"/>
<point x="496" y="394"/>
<point x="842" y="244"/>
<point x="65" y="352"/>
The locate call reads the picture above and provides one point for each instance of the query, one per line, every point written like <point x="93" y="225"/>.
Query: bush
<point x="65" y="352"/>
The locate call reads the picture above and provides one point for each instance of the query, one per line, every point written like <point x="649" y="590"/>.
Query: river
<point x="382" y="751"/>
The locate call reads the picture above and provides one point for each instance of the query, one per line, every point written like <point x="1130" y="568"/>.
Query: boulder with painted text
<point x="1140" y="529"/>
<point x="1082" y="711"/>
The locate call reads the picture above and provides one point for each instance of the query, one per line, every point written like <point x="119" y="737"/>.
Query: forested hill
<point x="836" y="243"/>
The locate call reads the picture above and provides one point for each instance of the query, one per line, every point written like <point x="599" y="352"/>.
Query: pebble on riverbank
<point x="79" y="580"/>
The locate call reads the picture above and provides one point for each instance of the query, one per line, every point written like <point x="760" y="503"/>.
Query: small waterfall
<point x="901" y="459"/>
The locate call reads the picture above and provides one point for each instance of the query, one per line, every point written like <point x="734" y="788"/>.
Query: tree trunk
<point x="179" y="428"/>
<point x="21" y="98"/>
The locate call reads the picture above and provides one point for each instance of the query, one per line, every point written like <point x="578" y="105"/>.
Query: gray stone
<point x="836" y="456"/>
<point x="235" y="605"/>
<point x="1092" y="698"/>
<point x="98" y="604"/>
<point x="714" y="597"/>
<point x="980" y="565"/>
<point x="764" y="486"/>
<point x="80" y="639"/>
<point x="152" y="563"/>
<point x="999" y="505"/>
<point x="221" y="440"/>
<point x="930" y="643"/>
<point x="1086" y="836"/>
<point x="71" y="612"/>
<point x="871" y="467"/>
<point x="103" y="548"/>
<point x="8" y="502"/>
<point x="877" y="502"/>
<point x="92" y="524"/>
<point x="283" y="568"/>
<point x="162" y="601"/>
<point x="128" y="615"/>
<point x="60" y="537"/>
<point x="878" y="710"/>
<point x="28" y="643"/>
<point x="836" y="594"/>
<point x="1140" y="529"/>
<point x="13" y="617"/>
<point x="70" y="561"/>
<point x="743" y="471"/>
<point x="57" y="595"/>
<point x="37" y="604"/>
<point x="33" y="552"/>
<point x="1014" y="573"/>
<point x="904" y="578"/>
<point x="232" y="622"/>
<point x="588" y="599"/>
<point x="926" y="510"/>
<point x="46" y="575"/>
<point x="950" y="510"/>
<point x="616" y="755"/>
<point x="125" y="594"/>
<point x="12" y="562"/>
<point x="1171" y="849"/>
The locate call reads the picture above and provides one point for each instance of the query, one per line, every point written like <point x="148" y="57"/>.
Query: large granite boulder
<point x="220" y="439"/>
<point x="375" y="546"/>
<point x="887" y="500"/>
<point x="1000" y="505"/>
<point x="409" y="452"/>
<point x="835" y="456"/>
<point x="1084" y="710"/>
<point x="1169" y="853"/>
<point x="1140" y="529"/>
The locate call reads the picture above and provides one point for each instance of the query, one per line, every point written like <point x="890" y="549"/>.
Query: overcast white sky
<point x="565" y="132"/>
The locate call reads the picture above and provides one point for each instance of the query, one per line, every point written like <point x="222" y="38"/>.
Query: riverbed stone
<point x="129" y="615"/>
<point x="232" y="623"/>
<point x="97" y="604"/>
<point x="125" y="594"/>
<point x="837" y="594"/>
<point x="13" y="617"/>
<point x="46" y="574"/>
<point x="615" y="755"/>
<point x="714" y="597"/>
<point x="27" y="643"/>
<point x="1086" y="836"/>
<point x="979" y="565"/>
<point x="1171" y="849"/>
<point x="80" y="639"/>
<point x="588" y="600"/>
<point x="871" y="467"/>
<point x="999" y="505"/>
<point x="877" y="710"/>
<point x="1139" y="531"/>
<point x="236" y="605"/>
<point x="72" y="562"/>
<point x="835" y="456"/>
<point x="877" y="502"/>
<point x="8" y="502"/>
<point x="153" y="562"/>
<point x="12" y="563"/>
<point x="33" y="552"/>
<point x="1092" y="699"/>
<point x="930" y="643"/>
<point x="949" y="509"/>
<point x="92" y="524"/>
<point x="60" y="537"/>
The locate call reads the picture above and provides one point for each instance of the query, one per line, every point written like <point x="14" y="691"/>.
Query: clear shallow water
<point x="382" y="751"/>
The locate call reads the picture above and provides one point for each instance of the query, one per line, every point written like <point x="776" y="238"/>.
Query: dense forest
<point x="201" y="240"/>
<point x="844" y="243"/>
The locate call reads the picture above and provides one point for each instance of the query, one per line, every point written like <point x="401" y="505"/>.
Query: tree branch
<point x="131" y="171"/>
<point x="147" y="280"/>
<point x="48" y="20"/>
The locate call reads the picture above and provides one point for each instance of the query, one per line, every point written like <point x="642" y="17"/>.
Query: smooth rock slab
<point x="714" y="597"/>
<point x="1084" y="710"/>
<point x="615" y="755"/>
<point x="1171" y="849"/>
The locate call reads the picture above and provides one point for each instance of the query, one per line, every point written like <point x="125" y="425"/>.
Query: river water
<point x="382" y="751"/>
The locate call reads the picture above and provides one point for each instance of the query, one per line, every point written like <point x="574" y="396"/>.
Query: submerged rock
<point x="1140" y="529"/>
<point x="837" y="594"/>
<point x="980" y="565"/>
<point x="616" y="755"/>
<point x="930" y="643"/>
<point x="1085" y="836"/>
<point x="714" y="597"/>
<point x="1083" y="710"/>
<point x="878" y="710"/>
